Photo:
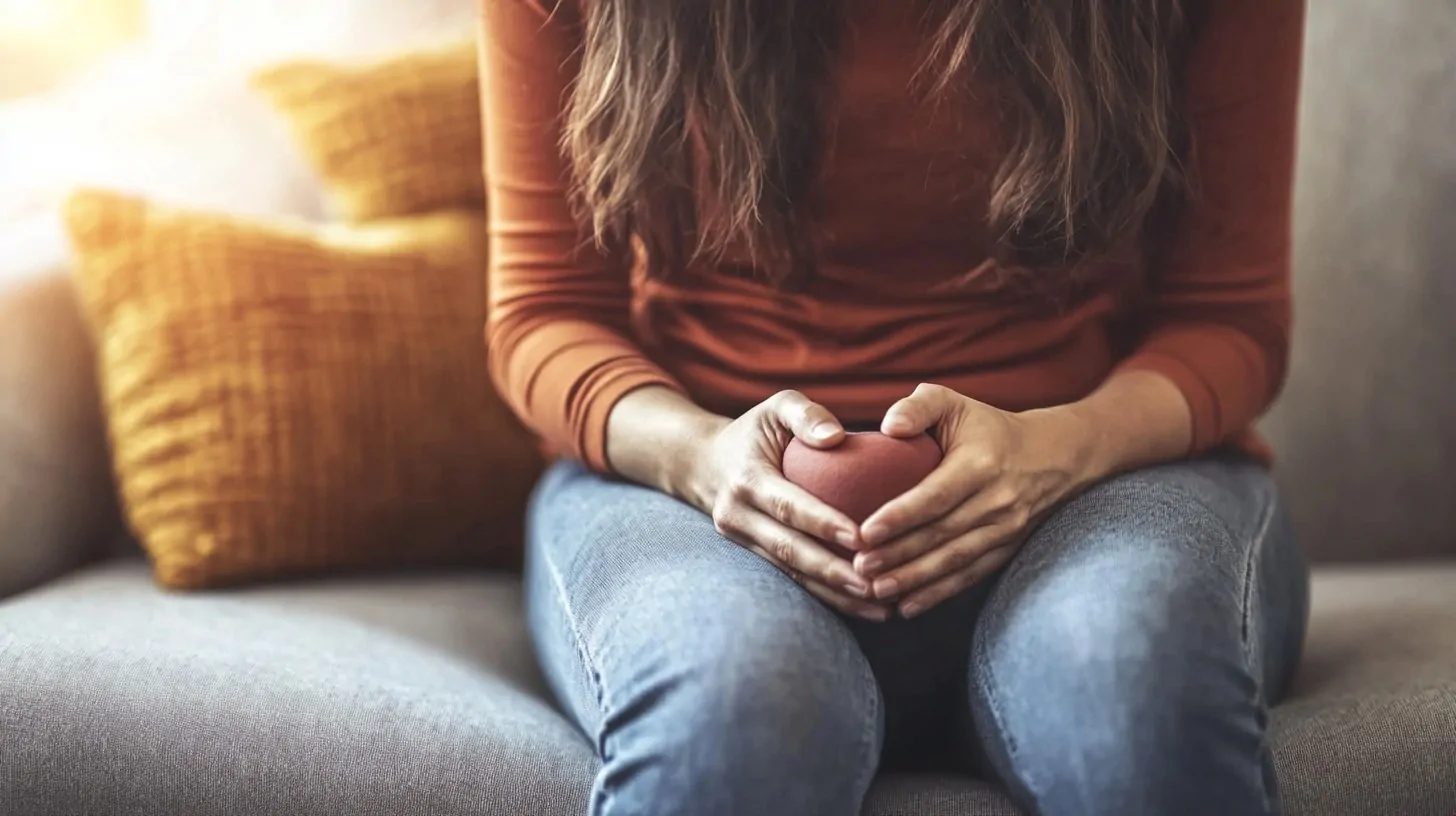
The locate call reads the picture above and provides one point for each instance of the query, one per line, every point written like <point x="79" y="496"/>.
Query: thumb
<point x="919" y="412"/>
<point x="811" y="422"/>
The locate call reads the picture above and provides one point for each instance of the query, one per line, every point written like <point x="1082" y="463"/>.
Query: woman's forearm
<point x="1135" y="419"/>
<point x="654" y="435"/>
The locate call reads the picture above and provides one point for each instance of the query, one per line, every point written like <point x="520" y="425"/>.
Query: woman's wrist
<point x="1071" y="439"/>
<point x="657" y="437"/>
<point x="691" y="476"/>
<point x="1137" y="418"/>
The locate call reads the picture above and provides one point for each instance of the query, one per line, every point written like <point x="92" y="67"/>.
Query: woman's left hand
<point x="1001" y="472"/>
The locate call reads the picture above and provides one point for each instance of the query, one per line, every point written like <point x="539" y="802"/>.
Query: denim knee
<point x="1123" y="686"/>
<point x="763" y="710"/>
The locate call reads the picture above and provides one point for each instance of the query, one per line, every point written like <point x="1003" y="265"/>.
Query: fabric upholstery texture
<point x="56" y="495"/>
<point x="421" y="695"/>
<point x="1366" y="429"/>
<point x="374" y="698"/>
<point x="391" y="138"/>
<point x="282" y="401"/>
<point x="1370" y="727"/>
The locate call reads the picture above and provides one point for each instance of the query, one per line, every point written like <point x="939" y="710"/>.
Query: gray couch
<point x="420" y="695"/>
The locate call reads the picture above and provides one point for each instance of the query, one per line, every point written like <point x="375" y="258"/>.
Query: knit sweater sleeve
<point x="558" y="334"/>
<point x="1218" y="320"/>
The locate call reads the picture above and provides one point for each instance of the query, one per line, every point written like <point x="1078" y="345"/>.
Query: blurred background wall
<point x="44" y="42"/>
<point x="152" y="97"/>
<point x="1366" y="430"/>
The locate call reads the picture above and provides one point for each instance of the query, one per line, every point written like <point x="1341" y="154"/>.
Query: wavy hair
<point x="695" y="126"/>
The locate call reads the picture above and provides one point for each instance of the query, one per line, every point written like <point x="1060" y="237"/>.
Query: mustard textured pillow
<point x="289" y="400"/>
<point x="391" y="138"/>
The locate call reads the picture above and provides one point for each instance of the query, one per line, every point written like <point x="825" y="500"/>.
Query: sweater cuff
<point x="1202" y="403"/>
<point x="591" y="427"/>
<point x="1221" y="372"/>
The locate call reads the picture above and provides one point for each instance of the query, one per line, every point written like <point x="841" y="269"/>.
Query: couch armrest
<point x="57" y="501"/>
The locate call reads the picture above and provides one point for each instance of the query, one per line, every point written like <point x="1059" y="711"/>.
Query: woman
<point x="1052" y="233"/>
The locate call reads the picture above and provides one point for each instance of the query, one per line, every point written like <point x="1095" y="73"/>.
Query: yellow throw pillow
<point x="391" y="138"/>
<point x="286" y="400"/>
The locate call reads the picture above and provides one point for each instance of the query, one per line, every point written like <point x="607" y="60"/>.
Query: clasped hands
<point x="1000" y="472"/>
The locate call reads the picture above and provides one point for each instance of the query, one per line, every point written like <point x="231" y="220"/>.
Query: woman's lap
<point x="1168" y="594"/>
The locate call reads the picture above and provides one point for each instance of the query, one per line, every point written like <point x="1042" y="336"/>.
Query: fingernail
<point x="871" y="564"/>
<point x="878" y="613"/>
<point x="846" y="538"/>
<point x="852" y="581"/>
<point x="887" y="588"/>
<point x="824" y="430"/>
<point x="911" y="609"/>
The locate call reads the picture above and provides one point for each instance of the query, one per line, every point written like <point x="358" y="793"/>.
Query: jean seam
<point x="1251" y="559"/>
<point x="1252" y="554"/>
<point x="993" y="706"/>
<point x="589" y="661"/>
<point x="872" y="726"/>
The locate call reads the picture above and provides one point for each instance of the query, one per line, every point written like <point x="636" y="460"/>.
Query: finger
<point x="849" y="606"/>
<point x="859" y="607"/>
<point x="917" y="413"/>
<point x="947" y="559"/>
<point x="963" y="472"/>
<point x="795" y="507"/>
<point x="809" y="421"/>
<point x="793" y="551"/>
<point x="987" y="506"/>
<point x="951" y="585"/>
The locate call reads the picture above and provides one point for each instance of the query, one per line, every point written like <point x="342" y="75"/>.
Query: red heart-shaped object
<point x="862" y="473"/>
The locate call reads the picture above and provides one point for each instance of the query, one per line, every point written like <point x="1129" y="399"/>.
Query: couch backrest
<point x="1366" y="430"/>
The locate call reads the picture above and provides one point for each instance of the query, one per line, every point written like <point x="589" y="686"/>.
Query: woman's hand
<point x="738" y="479"/>
<point x="1001" y="471"/>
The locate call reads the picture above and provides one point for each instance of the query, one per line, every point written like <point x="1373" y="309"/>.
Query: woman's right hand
<point x="738" y="480"/>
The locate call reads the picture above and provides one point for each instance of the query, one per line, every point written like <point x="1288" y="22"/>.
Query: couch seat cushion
<point x="1371" y="725"/>
<point x="420" y="695"/>
<point x="369" y="697"/>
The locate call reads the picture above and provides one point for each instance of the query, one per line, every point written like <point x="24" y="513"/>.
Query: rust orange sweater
<point x="903" y="187"/>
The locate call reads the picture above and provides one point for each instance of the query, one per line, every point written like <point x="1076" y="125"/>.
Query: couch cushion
<point x="57" y="503"/>
<point x="286" y="399"/>
<point x="361" y="697"/>
<point x="1371" y="725"/>
<point x="391" y="138"/>
<point x="420" y="695"/>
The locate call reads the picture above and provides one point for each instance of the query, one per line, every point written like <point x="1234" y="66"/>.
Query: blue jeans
<point x="1123" y="663"/>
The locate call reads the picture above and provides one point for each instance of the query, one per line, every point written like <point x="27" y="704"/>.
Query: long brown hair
<point x="694" y="126"/>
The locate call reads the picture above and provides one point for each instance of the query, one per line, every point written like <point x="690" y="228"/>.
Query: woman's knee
<point x="767" y="661"/>
<point x="1122" y="682"/>
<point x="739" y="695"/>
<point x="1144" y="579"/>
<point x="711" y="683"/>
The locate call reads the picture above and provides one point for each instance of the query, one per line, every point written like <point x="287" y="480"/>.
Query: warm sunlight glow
<point x="37" y="16"/>
<point x="43" y="41"/>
